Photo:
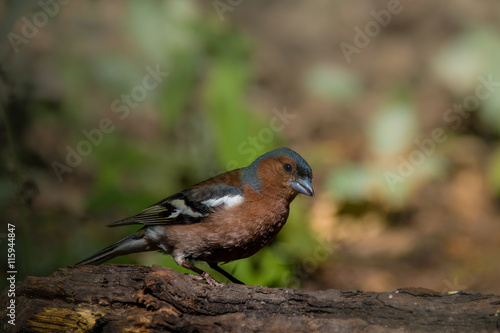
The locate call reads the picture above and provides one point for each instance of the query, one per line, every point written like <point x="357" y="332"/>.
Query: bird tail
<point x="131" y="244"/>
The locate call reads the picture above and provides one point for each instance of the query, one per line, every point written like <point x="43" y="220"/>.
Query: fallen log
<point x="118" y="298"/>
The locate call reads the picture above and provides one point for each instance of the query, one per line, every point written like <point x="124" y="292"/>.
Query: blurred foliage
<point x="494" y="172"/>
<point x="466" y="58"/>
<point x="356" y="123"/>
<point x="393" y="128"/>
<point x="333" y="84"/>
<point x="391" y="136"/>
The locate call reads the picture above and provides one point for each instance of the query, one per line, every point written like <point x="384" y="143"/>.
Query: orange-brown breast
<point x="234" y="233"/>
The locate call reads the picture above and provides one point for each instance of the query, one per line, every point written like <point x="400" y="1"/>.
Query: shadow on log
<point x="118" y="298"/>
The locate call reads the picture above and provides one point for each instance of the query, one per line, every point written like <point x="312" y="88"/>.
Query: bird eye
<point x="287" y="167"/>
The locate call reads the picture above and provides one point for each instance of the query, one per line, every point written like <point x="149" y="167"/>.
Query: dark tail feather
<point x="131" y="244"/>
<point x="127" y="221"/>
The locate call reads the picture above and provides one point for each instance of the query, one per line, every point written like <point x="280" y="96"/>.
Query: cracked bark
<point x="116" y="298"/>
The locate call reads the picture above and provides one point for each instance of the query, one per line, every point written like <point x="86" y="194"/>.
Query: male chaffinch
<point x="228" y="217"/>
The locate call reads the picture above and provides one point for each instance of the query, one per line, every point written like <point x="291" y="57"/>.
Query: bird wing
<point x="186" y="207"/>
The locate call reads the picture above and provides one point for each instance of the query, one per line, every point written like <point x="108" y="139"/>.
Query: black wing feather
<point x="186" y="207"/>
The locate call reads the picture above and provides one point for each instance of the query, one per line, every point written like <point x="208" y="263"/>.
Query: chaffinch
<point x="228" y="217"/>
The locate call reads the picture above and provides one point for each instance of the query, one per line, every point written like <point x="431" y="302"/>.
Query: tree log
<point x="119" y="298"/>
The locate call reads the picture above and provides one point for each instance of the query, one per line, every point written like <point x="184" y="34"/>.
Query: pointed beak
<point x="303" y="186"/>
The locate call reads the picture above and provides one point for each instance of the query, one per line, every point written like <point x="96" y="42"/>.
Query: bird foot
<point x="206" y="277"/>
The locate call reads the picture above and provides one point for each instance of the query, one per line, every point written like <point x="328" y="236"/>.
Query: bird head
<point x="282" y="170"/>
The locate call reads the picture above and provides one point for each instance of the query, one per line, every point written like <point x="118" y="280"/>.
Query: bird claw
<point x="206" y="277"/>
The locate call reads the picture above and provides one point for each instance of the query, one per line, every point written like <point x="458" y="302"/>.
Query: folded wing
<point x="186" y="207"/>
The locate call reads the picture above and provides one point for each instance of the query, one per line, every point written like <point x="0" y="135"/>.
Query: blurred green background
<point x="108" y="107"/>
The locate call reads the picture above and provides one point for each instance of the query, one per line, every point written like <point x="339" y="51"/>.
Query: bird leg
<point x="203" y="275"/>
<point x="226" y="274"/>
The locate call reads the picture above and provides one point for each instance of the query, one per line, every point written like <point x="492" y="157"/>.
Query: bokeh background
<point x="394" y="104"/>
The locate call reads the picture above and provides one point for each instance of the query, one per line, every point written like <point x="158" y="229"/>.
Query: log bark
<point x="118" y="298"/>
